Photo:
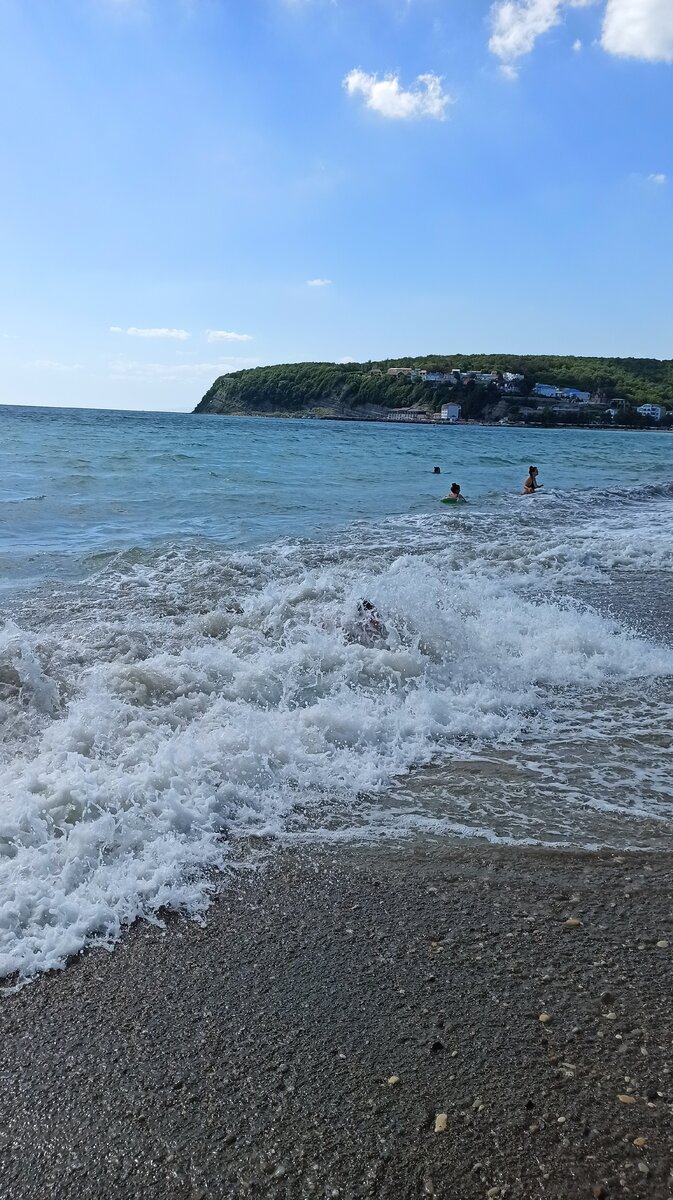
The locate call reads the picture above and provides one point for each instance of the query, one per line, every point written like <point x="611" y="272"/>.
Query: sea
<point x="223" y="635"/>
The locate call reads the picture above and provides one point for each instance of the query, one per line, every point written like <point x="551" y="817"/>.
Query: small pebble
<point x="573" y="923"/>
<point x="624" y="1099"/>
<point x="544" y="1018"/>
<point x="393" y="1081"/>
<point x="441" y="1122"/>
<point x="662" y="944"/>
<point x="640" y="1142"/>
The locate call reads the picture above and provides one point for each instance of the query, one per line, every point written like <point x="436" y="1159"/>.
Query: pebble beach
<point x="410" y="1021"/>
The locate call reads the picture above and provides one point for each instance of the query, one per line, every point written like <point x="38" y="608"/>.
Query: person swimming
<point x="531" y="485"/>
<point x="455" y="496"/>
<point x="436" y="470"/>
<point x="369" y="628"/>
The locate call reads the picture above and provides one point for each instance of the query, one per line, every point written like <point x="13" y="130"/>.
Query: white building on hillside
<point x="550" y="392"/>
<point x="654" y="411"/>
<point x="450" y="413"/>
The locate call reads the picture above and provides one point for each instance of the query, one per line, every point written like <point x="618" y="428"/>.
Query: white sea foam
<point x="182" y="703"/>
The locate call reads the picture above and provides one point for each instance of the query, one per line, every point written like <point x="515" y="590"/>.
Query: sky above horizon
<point x="196" y="186"/>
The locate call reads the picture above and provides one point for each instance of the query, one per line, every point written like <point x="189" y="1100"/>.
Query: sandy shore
<point x="304" y="1042"/>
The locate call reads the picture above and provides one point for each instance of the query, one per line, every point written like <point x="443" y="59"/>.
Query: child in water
<point x="531" y="485"/>
<point x="455" y="496"/>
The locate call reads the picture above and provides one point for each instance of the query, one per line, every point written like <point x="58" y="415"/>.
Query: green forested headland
<point x="333" y="389"/>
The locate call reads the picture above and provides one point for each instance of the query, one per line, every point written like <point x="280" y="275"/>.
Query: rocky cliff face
<point x="227" y="406"/>
<point x="228" y="398"/>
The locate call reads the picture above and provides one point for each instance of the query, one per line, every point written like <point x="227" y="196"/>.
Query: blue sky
<point x="326" y="179"/>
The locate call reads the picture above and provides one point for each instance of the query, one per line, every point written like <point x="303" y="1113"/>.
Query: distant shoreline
<point x="435" y="424"/>
<point x="475" y="388"/>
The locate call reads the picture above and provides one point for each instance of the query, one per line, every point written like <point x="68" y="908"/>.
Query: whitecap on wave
<point x="158" y="716"/>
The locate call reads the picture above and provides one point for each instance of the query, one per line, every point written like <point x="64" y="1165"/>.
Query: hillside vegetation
<point x="332" y="389"/>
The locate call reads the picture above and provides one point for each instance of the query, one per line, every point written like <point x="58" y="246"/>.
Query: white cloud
<point x="343" y="362"/>
<point x="180" y="335"/>
<point x="658" y="179"/>
<point x="174" y="372"/>
<point x="577" y="45"/>
<point x="631" y="28"/>
<point x="49" y="364"/>
<point x="385" y="96"/>
<point x="318" y="283"/>
<point x="221" y="335"/>
<point x="517" y="24"/>
<point x="639" y="29"/>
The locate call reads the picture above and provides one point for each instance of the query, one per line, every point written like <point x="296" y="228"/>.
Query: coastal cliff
<point x="298" y="389"/>
<point x="480" y="385"/>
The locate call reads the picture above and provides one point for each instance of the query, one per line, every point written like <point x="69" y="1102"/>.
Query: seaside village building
<point x="654" y="411"/>
<point x="449" y="414"/>
<point x="572" y="395"/>
<point x="416" y="415"/>
<point x="507" y="381"/>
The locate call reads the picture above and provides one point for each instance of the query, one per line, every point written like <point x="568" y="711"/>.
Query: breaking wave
<point x="178" y="703"/>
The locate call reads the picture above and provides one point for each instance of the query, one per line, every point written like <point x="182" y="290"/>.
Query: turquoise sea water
<point x="74" y="484"/>
<point x="186" y="662"/>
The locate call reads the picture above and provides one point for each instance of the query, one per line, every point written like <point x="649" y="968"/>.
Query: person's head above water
<point x="455" y="489"/>
<point x="436" y="470"/>
<point x="533" y="471"/>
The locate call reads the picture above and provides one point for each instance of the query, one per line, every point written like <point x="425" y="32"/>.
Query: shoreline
<point x="303" y="1041"/>
<point x="365" y="420"/>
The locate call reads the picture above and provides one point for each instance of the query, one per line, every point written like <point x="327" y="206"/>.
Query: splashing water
<point x="182" y="697"/>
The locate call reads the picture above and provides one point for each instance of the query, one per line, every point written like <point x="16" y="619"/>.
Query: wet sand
<point x="304" y="1042"/>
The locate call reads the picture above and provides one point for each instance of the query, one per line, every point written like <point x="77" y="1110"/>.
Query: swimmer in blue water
<point x="531" y="485"/>
<point x="455" y="496"/>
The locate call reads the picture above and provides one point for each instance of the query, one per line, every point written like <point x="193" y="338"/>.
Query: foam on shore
<point x="185" y="700"/>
